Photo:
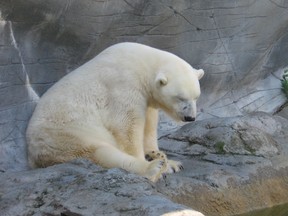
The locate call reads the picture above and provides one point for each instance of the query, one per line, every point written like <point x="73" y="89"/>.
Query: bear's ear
<point x="200" y="73"/>
<point x="161" y="79"/>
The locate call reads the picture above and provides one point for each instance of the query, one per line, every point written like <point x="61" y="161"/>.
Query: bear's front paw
<point x="156" y="170"/>
<point x="171" y="166"/>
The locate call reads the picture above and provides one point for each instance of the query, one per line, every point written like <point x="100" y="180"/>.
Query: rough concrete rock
<point x="284" y="111"/>
<point x="241" y="45"/>
<point x="247" y="135"/>
<point x="213" y="182"/>
<point x="228" y="168"/>
<point x="81" y="188"/>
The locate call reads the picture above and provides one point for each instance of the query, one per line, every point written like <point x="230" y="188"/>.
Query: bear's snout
<point x="189" y="118"/>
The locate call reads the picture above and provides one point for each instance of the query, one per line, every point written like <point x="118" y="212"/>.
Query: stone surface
<point x="225" y="173"/>
<point x="217" y="179"/>
<point x="284" y="111"/>
<point x="81" y="188"/>
<point x="249" y="135"/>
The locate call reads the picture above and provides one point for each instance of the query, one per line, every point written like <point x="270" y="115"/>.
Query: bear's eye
<point x="181" y="99"/>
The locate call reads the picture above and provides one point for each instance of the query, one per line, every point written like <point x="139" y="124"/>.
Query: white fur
<point x="107" y="109"/>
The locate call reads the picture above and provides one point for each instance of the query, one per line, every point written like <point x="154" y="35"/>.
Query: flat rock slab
<point x="82" y="189"/>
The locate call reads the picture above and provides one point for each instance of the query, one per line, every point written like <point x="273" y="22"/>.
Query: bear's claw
<point x="174" y="166"/>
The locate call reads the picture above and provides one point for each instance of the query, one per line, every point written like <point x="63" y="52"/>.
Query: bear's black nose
<point x="188" y="119"/>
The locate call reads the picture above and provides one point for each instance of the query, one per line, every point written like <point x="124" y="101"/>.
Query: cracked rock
<point x="250" y="135"/>
<point x="231" y="165"/>
<point x="82" y="188"/>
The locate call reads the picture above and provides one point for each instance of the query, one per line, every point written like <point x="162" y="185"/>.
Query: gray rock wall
<point x="241" y="45"/>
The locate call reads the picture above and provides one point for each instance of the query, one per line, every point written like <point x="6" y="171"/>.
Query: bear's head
<point x="177" y="90"/>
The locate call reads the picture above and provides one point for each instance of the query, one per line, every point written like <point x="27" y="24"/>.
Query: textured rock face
<point x="241" y="45"/>
<point x="218" y="179"/>
<point x="82" y="188"/>
<point x="224" y="172"/>
<point x="249" y="135"/>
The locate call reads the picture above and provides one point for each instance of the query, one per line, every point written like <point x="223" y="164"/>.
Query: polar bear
<point x="107" y="110"/>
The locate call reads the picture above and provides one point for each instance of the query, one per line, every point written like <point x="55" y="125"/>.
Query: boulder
<point x="232" y="165"/>
<point x="82" y="188"/>
<point x="218" y="177"/>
